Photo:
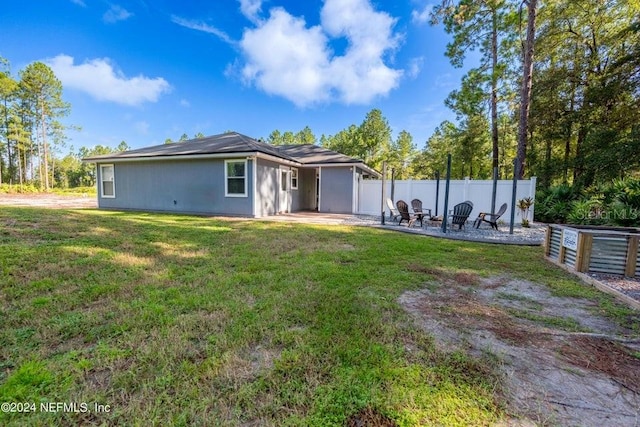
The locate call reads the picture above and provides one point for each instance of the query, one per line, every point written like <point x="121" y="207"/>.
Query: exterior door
<point x="285" y="191"/>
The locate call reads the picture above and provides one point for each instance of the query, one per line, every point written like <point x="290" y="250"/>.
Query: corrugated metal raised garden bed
<point x="590" y="249"/>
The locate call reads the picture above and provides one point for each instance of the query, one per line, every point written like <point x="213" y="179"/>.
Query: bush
<point x="33" y="189"/>
<point x="616" y="203"/>
<point x="18" y="189"/>
<point x="554" y="204"/>
<point x="76" y="191"/>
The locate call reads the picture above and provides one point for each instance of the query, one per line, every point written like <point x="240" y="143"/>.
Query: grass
<point x="564" y="323"/>
<point x="180" y="320"/>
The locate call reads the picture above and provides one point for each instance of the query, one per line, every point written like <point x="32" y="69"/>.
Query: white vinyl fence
<point x="478" y="192"/>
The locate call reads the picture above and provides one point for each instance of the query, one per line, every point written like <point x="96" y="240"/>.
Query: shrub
<point x="18" y="189"/>
<point x="554" y="204"/>
<point x="615" y="203"/>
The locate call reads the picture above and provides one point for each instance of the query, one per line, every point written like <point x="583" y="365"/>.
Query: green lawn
<point x="181" y="320"/>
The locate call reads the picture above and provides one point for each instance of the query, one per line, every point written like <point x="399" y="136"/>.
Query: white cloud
<point x="98" y="78"/>
<point x="142" y="127"/>
<point x="250" y="9"/>
<point x="185" y="103"/>
<point x="79" y="3"/>
<point x="200" y="26"/>
<point x="285" y="58"/>
<point x="361" y="74"/>
<point x="422" y="16"/>
<point x="415" y="66"/>
<point x="116" y="13"/>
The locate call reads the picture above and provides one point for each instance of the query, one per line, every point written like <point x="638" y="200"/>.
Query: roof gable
<point x="313" y="154"/>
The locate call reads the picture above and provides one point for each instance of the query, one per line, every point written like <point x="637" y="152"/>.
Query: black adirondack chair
<point x="403" y="209"/>
<point x="461" y="213"/>
<point x="491" y="218"/>
<point x="419" y="211"/>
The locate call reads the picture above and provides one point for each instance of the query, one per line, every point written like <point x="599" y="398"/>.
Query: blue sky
<point x="143" y="71"/>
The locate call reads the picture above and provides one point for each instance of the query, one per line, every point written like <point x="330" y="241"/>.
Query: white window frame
<point x="113" y="181"/>
<point x="294" y="171"/>
<point x="226" y="178"/>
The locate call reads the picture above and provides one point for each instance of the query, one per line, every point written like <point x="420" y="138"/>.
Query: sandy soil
<point x="53" y="201"/>
<point x="551" y="376"/>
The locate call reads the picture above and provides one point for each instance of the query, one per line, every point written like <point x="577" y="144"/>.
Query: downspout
<point x="254" y="180"/>
<point x="319" y="188"/>
<point x="354" y="189"/>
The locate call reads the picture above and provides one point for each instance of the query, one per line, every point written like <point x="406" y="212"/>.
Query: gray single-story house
<point x="229" y="174"/>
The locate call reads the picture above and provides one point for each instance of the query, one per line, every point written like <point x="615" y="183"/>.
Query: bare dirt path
<point x="53" y="201"/>
<point x="561" y="365"/>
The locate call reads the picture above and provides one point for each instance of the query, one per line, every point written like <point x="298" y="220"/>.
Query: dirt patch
<point x="560" y="363"/>
<point x="369" y="417"/>
<point x="53" y="201"/>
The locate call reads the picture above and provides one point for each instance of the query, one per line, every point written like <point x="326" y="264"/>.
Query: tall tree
<point x="8" y="89"/>
<point x="403" y="150"/>
<point x="375" y="139"/>
<point x="305" y="136"/>
<point x="433" y="159"/>
<point x="482" y="25"/>
<point x="40" y="86"/>
<point x="275" y="138"/>
<point x="585" y="99"/>
<point x="347" y="141"/>
<point x="525" y="90"/>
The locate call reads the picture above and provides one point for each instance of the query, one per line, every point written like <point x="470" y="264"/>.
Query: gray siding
<point x="336" y="190"/>
<point x="304" y="198"/>
<point x="193" y="186"/>
<point x="267" y="188"/>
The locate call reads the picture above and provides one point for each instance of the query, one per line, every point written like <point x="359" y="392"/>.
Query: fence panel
<point x="478" y="192"/>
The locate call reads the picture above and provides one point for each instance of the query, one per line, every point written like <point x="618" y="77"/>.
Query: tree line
<point x="557" y="85"/>
<point x="30" y="109"/>
<point x="371" y="141"/>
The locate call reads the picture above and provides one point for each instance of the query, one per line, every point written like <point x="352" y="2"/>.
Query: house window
<point x="235" y="174"/>
<point x="294" y="178"/>
<point x="107" y="183"/>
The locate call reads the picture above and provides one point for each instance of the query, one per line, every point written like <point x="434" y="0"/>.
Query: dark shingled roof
<point x="234" y="143"/>
<point x="231" y="142"/>
<point x="312" y="154"/>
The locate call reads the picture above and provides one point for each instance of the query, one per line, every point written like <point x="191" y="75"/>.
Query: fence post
<point x="437" y="190"/>
<point x="632" y="256"/>
<point x="446" y="195"/>
<point x="494" y="189"/>
<point x="547" y="240"/>
<point x="465" y="189"/>
<point x="513" y="194"/>
<point x="384" y="172"/>
<point x="585" y="252"/>
<point x="532" y="193"/>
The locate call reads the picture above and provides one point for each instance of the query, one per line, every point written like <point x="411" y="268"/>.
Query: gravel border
<point x="532" y="236"/>
<point x="629" y="286"/>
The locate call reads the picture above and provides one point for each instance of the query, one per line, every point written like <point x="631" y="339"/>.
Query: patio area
<point x="531" y="236"/>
